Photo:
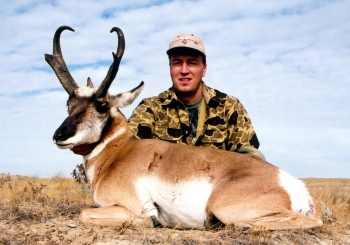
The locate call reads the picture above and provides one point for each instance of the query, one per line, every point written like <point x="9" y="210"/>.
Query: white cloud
<point x="286" y="61"/>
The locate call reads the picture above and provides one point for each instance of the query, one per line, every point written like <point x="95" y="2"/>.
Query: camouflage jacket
<point x="223" y="124"/>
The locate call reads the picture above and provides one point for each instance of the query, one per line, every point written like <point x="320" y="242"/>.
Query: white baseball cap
<point x="186" y="41"/>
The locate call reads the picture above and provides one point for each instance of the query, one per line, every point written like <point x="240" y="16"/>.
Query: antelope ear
<point x="126" y="98"/>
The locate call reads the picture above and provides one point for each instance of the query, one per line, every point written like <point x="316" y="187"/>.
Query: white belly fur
<point x="180" y="205"/>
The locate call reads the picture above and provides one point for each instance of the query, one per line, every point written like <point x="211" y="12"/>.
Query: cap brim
<point x="184" y="51"/>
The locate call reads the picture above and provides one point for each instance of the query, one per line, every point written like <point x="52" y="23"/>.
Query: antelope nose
<point x="58" y="136"/>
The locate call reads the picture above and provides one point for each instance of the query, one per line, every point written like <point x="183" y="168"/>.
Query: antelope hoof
<point x="156" y="222"/>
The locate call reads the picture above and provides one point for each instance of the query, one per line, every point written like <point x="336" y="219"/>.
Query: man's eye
<point x="194" y="62"/>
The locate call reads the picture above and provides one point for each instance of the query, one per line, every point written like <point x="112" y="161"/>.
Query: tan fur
<point x="245" y="188"/>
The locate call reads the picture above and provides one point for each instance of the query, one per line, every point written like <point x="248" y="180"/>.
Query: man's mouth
<point x="185" y="80"/>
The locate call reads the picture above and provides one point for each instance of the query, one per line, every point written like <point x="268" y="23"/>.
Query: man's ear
<point x="124" y="99"/>
<point x="205" y="69"/>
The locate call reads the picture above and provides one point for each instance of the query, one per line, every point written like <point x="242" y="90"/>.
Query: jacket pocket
<point x="163" y="132"/>
<point x="214" y="134"/>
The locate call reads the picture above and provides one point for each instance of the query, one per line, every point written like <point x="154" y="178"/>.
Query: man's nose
<point x="184" y="68"/>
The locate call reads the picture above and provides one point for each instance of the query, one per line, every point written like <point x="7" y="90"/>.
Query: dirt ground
<point x="63" y="230"/>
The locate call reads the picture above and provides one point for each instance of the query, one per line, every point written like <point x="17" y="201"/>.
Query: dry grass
<point x="44" y="211"/>
<point x="332" y="197"/>
<point x="30" y="198"/>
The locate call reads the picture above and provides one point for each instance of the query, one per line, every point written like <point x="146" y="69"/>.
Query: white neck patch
<point x="90" y="173"/>
<point x="103" y="144"/>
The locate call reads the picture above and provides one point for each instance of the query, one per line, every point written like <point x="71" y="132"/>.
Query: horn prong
<point x="89" y="83"/>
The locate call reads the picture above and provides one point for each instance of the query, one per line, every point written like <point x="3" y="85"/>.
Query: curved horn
<point x="58" y="65"/>
<point x="113" y="69"/>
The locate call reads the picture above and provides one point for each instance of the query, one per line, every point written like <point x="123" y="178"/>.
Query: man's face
<point x="186" y="73"/>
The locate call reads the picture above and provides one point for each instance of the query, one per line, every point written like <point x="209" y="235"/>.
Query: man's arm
<point x="142" y="121"/>
<point x="240" y="130"/>
<point x="241" y="134"/>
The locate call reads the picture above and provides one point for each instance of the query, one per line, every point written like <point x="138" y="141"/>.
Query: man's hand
<point x="251" y="150"/>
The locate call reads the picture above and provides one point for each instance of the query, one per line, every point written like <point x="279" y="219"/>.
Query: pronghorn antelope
<point x="153" y="182"/>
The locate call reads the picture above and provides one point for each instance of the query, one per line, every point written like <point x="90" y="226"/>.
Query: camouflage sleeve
<point x="240" y="130"/>
<point x="142" y="120"/>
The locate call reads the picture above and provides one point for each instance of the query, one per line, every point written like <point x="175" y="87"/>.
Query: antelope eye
<point x="101" y="107"/>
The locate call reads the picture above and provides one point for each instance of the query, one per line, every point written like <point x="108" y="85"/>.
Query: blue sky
<point x="286" y="61"/>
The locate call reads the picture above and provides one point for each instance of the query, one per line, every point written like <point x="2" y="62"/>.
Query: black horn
<point x="113" y="69"/>
<point x="57" y="63"/>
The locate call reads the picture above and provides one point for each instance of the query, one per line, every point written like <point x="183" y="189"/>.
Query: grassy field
<point x="45" y="211"/>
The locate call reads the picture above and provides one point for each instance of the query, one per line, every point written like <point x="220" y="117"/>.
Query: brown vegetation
<point x="45" y="211"/>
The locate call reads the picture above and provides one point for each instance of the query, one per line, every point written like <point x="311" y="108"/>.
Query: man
<point x="190" y="112"/>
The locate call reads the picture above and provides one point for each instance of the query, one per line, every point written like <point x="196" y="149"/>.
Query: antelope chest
<point x="180" y="204"/>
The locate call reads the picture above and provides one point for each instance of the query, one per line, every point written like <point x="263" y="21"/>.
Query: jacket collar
<point x="209" y="94"/>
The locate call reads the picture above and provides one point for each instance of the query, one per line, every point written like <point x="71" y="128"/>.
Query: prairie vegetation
<point x="45" y="211"/>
